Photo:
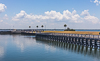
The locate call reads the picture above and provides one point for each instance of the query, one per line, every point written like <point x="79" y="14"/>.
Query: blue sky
<point x="77" y="14"/>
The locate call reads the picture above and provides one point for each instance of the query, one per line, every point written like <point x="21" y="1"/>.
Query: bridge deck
<point x="81" y="39"/>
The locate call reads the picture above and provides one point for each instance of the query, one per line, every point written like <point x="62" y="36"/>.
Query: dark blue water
<point x="28" y="48"/>
<point x="87" y="29"/>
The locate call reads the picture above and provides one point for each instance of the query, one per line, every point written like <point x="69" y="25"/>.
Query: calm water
<point x="27" y="48"/>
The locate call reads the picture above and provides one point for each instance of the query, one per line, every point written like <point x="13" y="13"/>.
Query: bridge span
<point x="80" y="39"/>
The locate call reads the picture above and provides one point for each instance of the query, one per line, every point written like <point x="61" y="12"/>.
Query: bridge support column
<point x="96" y="43"/>
<point x="91" y="43"/>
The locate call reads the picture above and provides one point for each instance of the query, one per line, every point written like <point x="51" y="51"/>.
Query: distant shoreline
<point x="51" y="29"/>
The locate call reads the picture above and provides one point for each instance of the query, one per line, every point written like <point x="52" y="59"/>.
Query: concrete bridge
<point x="79" y="49"/>
<point x="91" y="39"/>
<point x="80" y="39"/>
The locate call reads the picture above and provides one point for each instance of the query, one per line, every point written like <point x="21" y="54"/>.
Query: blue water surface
<point x="28" y="48"/>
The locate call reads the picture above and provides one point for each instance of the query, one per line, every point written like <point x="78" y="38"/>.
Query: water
<point x="28" y="48"/>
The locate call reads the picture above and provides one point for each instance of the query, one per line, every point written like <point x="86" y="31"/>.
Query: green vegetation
<point x="29" y="26"/>
<point x="68" y="29"/>
<point x="37" y="26"/>
<point x="65" y="26"/>
<point x="42" y="26"/>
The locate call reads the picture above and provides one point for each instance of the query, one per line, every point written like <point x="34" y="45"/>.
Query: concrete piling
<point x="70" y="38"/>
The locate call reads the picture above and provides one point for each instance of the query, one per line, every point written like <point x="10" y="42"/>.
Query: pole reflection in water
<point x="79" y="49"/>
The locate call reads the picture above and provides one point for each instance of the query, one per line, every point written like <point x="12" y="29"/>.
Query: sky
<point x="53" y="14"/>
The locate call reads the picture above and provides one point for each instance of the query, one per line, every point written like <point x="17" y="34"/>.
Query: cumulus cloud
<point x="49" y="15"/>
<point x="85" y="13"/>
<point x="5" y="17"/>
<point x="53" y="15"/>
<point x="1" y="20"/>
<point x="73" y="17"/>
<point x="97" y="2"/>
<point x="20" y="15"/>
<point x="93" y="19"/>
<point x="89" y="17"/>
<point x="2" y="7"/>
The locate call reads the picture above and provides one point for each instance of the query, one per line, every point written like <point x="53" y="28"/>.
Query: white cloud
<point x="49" y="15"/>
<point x="5" y="17"/>
<point x="85" y="13"/>
<point x="67" y="14"/>
<point x="74" y="12"/>
<point x="57" y="16"/>
<point x="73" y="17"/>
<point x="97" y="2"/>
<point x="2" y="7"/>
<point x="53" y="15"/>
<point x="20" y="15"/>
<point x="89" y="17"/>
<point x="1" y="20"/>
<point x="93" y="19"/>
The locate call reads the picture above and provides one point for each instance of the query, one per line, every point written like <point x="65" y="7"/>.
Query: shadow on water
<point x="79" y="49"/>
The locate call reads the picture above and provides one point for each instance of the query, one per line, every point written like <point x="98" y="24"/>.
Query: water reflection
<point x="3" y="44"/>
<point x="1" y="51"/>
<point x="22" y="47"/>
<point x="50" y="48"/>
<point x="23" y="41"/>
<point x="79" y="49"/>
<point x="15" y="40"/>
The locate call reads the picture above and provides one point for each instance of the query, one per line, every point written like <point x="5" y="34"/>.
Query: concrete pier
<point x="79" y="39"/>
<point x="79" y="49"/>
<point x="85" y="39"/>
